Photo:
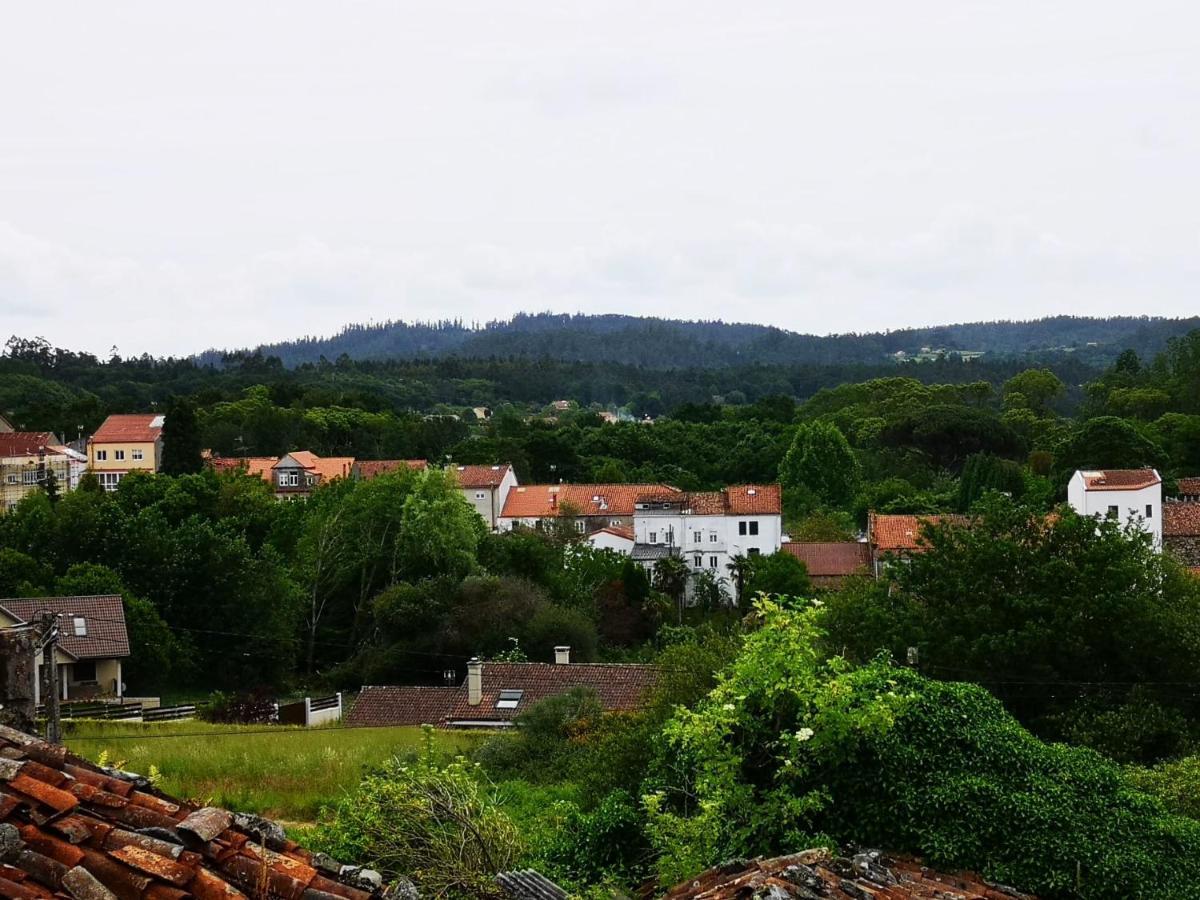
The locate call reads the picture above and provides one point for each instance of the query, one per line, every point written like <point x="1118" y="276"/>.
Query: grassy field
<point x="281" y="772"/>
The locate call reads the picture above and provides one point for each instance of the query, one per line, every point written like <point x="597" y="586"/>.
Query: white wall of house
<point x="606" y="540"/>
<point x="710" y="542"/>
<point x="488" y="501"/>
<point x="1140" y="508"/>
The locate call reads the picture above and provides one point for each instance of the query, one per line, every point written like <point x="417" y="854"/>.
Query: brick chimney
<point x="562" y="655"/>
<point x="474" y="681"/>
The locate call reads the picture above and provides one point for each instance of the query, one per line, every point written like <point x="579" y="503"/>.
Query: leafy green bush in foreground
<point x="791" y="751"/>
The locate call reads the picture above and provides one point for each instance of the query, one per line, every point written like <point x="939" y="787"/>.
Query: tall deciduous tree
<point x="820" y="465"/>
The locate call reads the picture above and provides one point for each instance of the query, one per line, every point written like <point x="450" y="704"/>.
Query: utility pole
<point x="49" y="625"/>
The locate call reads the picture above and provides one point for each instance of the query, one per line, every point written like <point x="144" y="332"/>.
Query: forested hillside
<point x="669" y="344"/>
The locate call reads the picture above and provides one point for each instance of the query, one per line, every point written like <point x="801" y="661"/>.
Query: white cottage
<point x="1131" y="496"/>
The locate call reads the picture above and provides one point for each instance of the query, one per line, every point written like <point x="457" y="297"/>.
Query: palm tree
<point x="740" y="567"/>
<point x="671" y="577"/>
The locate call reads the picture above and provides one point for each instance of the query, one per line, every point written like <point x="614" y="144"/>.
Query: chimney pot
<point x="474" y="681"/>
<point x="562" y="655"/>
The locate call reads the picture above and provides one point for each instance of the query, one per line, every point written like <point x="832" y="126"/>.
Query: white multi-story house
<point x="486" y="488"/>
<point x="707" y="529"/>
<point x="1131" y="496"/>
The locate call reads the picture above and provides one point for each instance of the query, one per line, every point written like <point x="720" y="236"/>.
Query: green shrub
<point x="606" y="843"/>
<point x="792" y="751"/>
<point x="430" y="823"/>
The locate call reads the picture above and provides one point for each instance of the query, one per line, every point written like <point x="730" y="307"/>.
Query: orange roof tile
<point x="1181" y="519"/>
<point x="1120" y="479"/>
<point x="615" y="530"/>
<point x="830" y="559"/>
<point x="401" y="705"/>
<point x="896" y="533"/>
<point x="735" y="500"/>
<point x="1189" y="486"/>
<point x="133" y="428"/>
<point x="77" y="830"/>
<point x="480" y="476"/>
<point x="539" y="501"/>
<point x="252" y="465"/>
<point x="326" y="468"/>
<point x="25" y="443"/>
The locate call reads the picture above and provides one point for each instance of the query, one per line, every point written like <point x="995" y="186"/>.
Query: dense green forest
<point x="1056" y="658"/>
<point x="672" y="344"/>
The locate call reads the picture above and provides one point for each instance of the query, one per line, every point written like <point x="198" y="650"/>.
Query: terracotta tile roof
<point x="753" y="500"/>
<point x="480" y="476"/>
<point x="25" y="443"/>
<point x="829" y="560"/>
<point x="1120" y="479"/>
<point x="139" y="427"/>
<point x="817" y="873"/>
<point x="620" y="687"/>
<point x="735" y="500"/>
<point x="253" y="465"/>
<point x="615" y="530"/>
<point x="540" y="501"/>
<point x="326" y="468"/>
<point x="104" y="623"/>
<point x="895" y="533"/>
<point x="1181" y="519"/>
<point x="76" y="830"/>
<point x="401" y="705"/>
<point x="1189" y="486"/>
<point x="366" y="469"/>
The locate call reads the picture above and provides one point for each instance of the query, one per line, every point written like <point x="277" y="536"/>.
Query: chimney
<point x="562" y="656"/>
<point x="474" y="681"/>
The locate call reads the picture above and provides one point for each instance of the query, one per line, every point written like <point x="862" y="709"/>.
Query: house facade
<point x="92" y="641"/>
<point x="28" y="459"/>
<point x="1131" y="496"/>
<point x="123" y="444"/>
<point x="299" y="473"/>
<point x="708" y="528"/>
<point x="486" y="488"/>
<point x="894" y="538"/>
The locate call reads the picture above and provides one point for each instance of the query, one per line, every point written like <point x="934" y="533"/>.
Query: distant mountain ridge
<point x="671" y="343"/>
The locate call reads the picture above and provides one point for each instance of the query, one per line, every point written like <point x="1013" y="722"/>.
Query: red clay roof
<point x="615" y="530"/>
<point x="135" y="428"/>
<point x="735" y="500"/>
<point x="104" y="623"/>
<point x="86" y="832"/>
<point x="366" y="469"/>
<point x="540" y="501"/>
<point x="401" y="705"/>
<point x="1181" y="519"/>
<point x="829" y="559"/>
<point x="480" y="476"/>
<point x="1189" y="486"/>
<point x="25" y="443"/>
<point x="1120" y="479"/>
<point x="817" y="873"/>
<point x="620" y="687"/>
<point x="253" y="465"/>
<point x="893" y="533"/>
<point x="326" y="468"/>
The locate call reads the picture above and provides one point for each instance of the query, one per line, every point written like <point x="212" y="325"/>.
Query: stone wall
<point x="1185" y="548"/>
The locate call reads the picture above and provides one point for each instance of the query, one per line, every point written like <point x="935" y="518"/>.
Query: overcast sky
<point x="177" y="176"/>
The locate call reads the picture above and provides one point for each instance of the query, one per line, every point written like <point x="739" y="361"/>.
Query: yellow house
<point x="92" y="641"/>
<point x="28" y="458"/>
<point x="123" y="444"/>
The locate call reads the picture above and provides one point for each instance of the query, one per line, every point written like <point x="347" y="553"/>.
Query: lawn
<point x="285" y="773"/>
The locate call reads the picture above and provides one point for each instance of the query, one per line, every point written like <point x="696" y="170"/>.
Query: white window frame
<point x="13" y="478"/>
<point x="109" y="480"/>
<point x="29" y="476"/>
<point x="712" y="563"/>
<point x="101" y="455"/>
<point x="79" y="624"/>
<point x="137" y="454"/>
<point x="119" y="455"/>
<point x="712" y="537"/>
<point x="480" y="495"/>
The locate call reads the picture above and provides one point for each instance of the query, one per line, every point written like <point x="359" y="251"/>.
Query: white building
<point x="1131" y="496"/>
<point x="613" y="537"/>
<point x="486" y="488"/>
<point x="708" y="528"/>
